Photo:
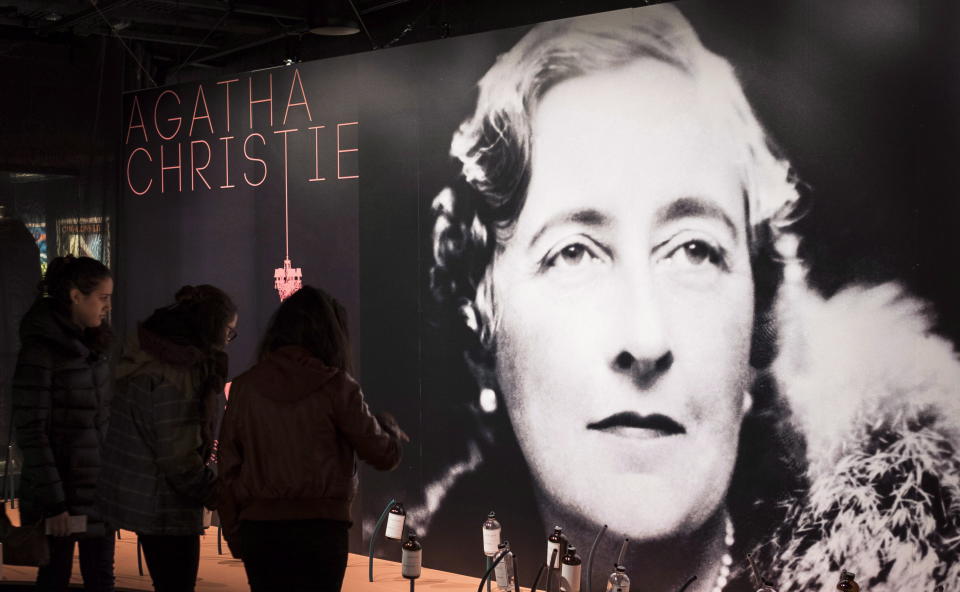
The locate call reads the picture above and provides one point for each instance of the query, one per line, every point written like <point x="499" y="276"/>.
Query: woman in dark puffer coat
<point x="60" y="410"/>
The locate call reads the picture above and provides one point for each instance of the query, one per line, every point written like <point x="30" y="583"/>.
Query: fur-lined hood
<point x="876" y="396"/>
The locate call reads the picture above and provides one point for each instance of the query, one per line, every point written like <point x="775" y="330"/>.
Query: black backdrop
<point x="862" y="96"/>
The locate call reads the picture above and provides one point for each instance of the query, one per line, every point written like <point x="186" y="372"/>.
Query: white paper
<point x="77" y="524"/>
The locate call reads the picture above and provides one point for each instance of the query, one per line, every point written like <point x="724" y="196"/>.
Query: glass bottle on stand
<point x="491" y="534"/>
<point x="505" y="572"/>
<point x="570" y="569"/>
<point x="411" y="558"/>
<point x="395" y="520"/>
<point x="556" y="542"/>
<point x="618" y="581"/>
<point x="847" y="582"/>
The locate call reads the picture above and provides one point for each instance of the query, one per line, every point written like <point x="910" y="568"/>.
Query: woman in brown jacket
<point x="294" y="426"/>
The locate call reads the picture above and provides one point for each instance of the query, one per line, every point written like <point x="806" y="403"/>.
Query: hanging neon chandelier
<point x="287" y="279"/>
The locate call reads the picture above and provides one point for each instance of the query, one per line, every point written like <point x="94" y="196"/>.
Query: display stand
<point x="593" y="548"/>
<point x="536" y="582"/>
<point x="687" y="583"/>
<point x="373" y="536"/>
<point x="623" y="551"/>
<point x="8" y="493"/>
<point x="487" y="567"/>
<point x="493" y="566"/>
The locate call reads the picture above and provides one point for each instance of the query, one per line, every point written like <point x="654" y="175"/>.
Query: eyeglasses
<point x="231" y="334"/>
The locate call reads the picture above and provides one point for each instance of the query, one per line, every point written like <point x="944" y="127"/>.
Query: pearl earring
<point x="747" y="402"/>
<point x="488" y="400"/>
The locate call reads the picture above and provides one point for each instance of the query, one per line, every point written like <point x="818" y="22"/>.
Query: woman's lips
<point x="631" y="424"/>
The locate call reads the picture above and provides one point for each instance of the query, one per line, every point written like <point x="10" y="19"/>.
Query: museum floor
<point x="221" y="573"/>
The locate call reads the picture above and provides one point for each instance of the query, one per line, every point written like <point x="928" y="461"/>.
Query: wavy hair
<point x="473" y="218"/>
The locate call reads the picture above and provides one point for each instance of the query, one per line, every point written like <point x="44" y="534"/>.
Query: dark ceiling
<point x="179" y="40"/>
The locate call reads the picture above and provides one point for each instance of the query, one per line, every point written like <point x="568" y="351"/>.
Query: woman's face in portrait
<point x="624" y="299"/>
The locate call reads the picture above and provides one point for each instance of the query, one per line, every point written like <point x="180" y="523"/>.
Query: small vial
<point x="411" y="558"/>
<point x="491" y="534"/>
<point x="847" y="582"/>
<point x="395" y="522"/>
<point x="618" y="580"/>
<point x="505" y="571"/>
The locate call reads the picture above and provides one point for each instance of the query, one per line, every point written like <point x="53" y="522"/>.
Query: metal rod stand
<point x="373" y="535"/>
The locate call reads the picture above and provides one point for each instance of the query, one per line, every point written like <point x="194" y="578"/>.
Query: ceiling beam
<point x="243" y="46"/>
<point x="193" y="21"/>
<point x="155" y="38"/>
<point x="251" y="9"/>
<point x="382" y="5"/>
<point x="79" y="17"/>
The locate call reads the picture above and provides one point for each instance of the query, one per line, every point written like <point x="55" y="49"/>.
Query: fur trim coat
<point x="876" y="396"/>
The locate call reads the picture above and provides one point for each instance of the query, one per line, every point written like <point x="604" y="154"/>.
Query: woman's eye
<point x="697" y="253"/>
<point x="572" y="255"/>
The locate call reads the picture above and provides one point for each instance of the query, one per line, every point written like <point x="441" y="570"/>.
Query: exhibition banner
<point x="668" y="270"/>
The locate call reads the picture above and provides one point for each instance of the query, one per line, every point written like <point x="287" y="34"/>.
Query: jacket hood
<point x="133" y="358"/>
<point x="144" y="347"/>
<point x="289" y="374"/>
<point x="43" y="322"/>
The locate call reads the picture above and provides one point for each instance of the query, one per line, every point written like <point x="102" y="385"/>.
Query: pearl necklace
<point x="726" y="561"/>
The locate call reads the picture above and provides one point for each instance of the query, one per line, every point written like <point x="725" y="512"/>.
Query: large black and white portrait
<point x="686" y="270"/>
<point x="637" y="313"/>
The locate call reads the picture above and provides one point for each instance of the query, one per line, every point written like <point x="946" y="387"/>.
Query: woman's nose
<point x="642" y="349"/>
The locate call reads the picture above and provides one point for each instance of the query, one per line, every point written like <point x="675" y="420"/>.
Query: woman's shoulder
<point x="287" y="378"/>
<point x="43" y="329"/>
<point x="876" y="394"/>
<point x="146" y="370"/>
<point x="865" y="357"/>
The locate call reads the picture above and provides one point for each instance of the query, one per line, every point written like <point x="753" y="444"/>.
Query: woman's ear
<point x="75" y="295"/>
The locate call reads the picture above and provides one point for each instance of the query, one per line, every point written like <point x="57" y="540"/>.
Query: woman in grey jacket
<point x="156" y="478"/>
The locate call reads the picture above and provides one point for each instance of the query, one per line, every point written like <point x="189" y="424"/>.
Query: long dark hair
<point x="198" y="317"/>
<point x="191" y="332"/>
<point x="85" y="274"/>
<point x="315" y="321"/>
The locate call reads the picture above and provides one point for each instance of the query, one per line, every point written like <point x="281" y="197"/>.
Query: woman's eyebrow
<point x="695" y="207"/>
<point x="585" y="216"/>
